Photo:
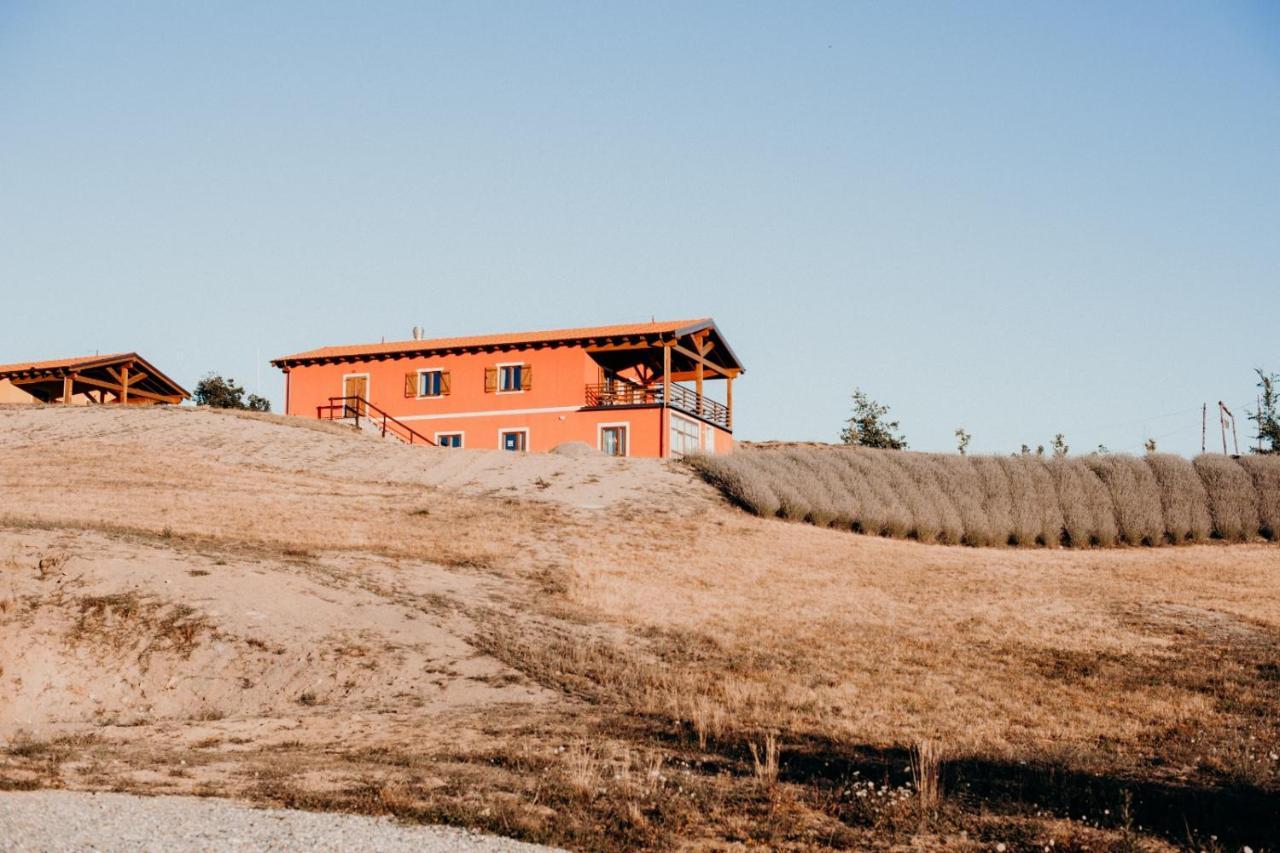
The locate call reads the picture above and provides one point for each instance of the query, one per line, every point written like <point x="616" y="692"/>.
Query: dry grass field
<point x="605" y="654"/>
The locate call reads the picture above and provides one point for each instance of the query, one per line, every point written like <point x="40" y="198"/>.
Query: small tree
<point x="218" y="393"/>
<point x="868" y="426"/>
<point x="1267" y="419"/>
<point x="1060" y="446"/>
<point x="962" y="440"/>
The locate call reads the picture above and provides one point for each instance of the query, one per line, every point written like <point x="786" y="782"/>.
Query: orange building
<point x="628" y="390"/>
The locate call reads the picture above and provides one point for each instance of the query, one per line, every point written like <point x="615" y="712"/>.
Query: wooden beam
<point x="67" y="387"/>
<point x="121" y="393"/>
<point x="124" y="383"/>
<point x="120" y="375"/>
<point x="698" y="359"/>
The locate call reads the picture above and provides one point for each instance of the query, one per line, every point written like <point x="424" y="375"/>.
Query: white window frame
<point x="626" y="440"/>
<point x="420" y="395"/>
<point x="503" y="430"/>
<point x="497" y="385"/>
<point x="697" y="430"/>
<point x="462" y="437"/>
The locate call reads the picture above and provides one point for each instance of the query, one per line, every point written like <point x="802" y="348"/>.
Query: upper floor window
<point x="426" y="383"/>
<point x="508" y="378"/>
<point x="429" y="383"/>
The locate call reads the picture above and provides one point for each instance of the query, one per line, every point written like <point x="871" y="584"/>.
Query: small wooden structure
<point x="126" y="378"/>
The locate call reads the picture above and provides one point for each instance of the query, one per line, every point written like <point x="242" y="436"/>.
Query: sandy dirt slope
<point x="335" y="451"/>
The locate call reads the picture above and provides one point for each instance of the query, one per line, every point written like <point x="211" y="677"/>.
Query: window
<point x="509" y="378"/>
<point x="684" y="435"/>
<point x="449" y="439"/>
<point x="430" y="384"/>
<point x="513" y="439"/>
<point x="613" y="439"/>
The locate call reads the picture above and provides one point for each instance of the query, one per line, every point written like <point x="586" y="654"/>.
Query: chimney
<point x="417" y="333"/>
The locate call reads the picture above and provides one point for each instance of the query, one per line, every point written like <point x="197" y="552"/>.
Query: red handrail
<point x="359" y="406"/>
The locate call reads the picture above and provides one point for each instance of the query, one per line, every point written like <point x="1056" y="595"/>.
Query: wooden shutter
<point x="490" y="380"/>
<point x="526" y="377"/>
<point x="444" y="382"/>
<point x="411" y="384"/>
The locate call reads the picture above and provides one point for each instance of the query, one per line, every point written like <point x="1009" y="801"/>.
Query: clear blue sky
<point x="1022" y="218"/>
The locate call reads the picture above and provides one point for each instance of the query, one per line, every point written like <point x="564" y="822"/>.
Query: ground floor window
<point x="613" y="439"/>
<point x="513" y="439"/>
<point x="449" y="439"/>
<point x="685" y="436"/>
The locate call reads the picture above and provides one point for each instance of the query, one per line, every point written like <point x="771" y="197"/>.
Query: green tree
<point x="1267" y="432"/>
<point x="869" y="427"/>
<point x="218" y="393"/>
<point x="962" y="440"/>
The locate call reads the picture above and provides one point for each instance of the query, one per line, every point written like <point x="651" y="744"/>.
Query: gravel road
<point x="70" y="820"/>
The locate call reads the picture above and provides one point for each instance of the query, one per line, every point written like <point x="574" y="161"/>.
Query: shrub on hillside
<point x="218" y="393"/>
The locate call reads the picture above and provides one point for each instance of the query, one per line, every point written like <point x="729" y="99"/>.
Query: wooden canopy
<point x="121" y="378"/>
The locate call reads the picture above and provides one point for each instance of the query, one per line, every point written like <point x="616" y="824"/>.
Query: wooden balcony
<point x="682" y="399"/>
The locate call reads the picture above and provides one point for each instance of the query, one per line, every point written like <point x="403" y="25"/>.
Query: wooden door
<point x="355" y="386"/>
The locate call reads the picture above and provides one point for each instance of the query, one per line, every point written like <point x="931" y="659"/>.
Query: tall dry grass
<point x="1092" y="501"/>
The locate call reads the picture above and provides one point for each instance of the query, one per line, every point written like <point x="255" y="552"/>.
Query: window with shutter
<point x="511" y="378"/>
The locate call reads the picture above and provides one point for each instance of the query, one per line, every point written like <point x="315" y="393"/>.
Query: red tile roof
<point x="505" y="339"/>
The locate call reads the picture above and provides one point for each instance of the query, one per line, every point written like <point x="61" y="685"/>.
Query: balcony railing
<point x="682" y="399"/>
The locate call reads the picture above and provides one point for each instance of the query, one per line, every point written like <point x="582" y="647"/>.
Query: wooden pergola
<point x="124" y="378"/>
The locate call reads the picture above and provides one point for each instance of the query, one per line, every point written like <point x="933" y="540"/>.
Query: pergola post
<point x="67" y="387"/>
<point x="124" y="383"/>
<point x="663" y="422"/>
<point x="728" y="398"/>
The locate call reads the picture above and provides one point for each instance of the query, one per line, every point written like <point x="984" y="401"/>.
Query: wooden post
<point x="66" y="390"/>
<point x="728" y="398"/>
<point x="698" y="379"/>
<point x="124" y="383"/>
<point x="1204" y="423"/>
<point x="663" y="422"/>
<point x="1222" y="422"/>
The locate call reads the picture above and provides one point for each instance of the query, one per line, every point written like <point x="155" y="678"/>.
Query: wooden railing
<point x="684" y="399"/>
<point x="355" y="408"/>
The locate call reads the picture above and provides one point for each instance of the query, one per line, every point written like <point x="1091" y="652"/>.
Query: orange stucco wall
<point x="550" y="410"/>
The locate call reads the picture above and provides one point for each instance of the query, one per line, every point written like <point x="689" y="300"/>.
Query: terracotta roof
<point x="55" y="364"/>
<point x="505" y="339"/>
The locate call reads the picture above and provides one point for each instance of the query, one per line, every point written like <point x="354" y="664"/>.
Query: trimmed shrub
<point x="1022" y="496"/>
<point x="963" y="485"/>
<point x="1135" y="496"/>
<point x="999" y="500"/>
<point x="1265" y="473"/>
<point x="1184" y="503"/>
<point x="1233" y="503"/>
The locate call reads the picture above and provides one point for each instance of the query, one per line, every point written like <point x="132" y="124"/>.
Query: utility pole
<point x="1222" y="423"/>
<point x="1204" y="423"/>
